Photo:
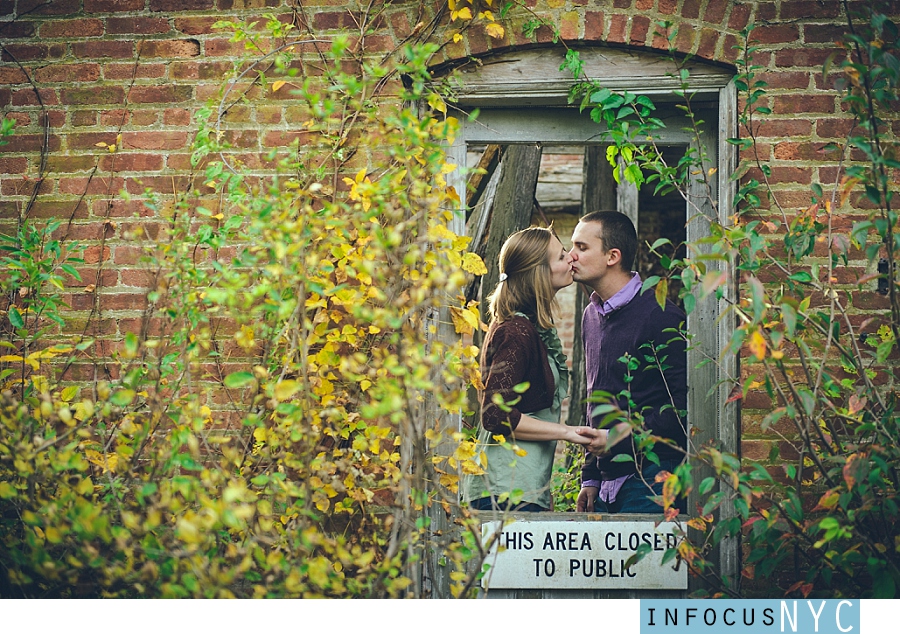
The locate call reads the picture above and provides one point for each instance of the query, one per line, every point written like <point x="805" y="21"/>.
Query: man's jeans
<point x="636" y="495"/>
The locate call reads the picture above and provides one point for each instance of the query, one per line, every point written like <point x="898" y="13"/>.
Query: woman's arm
<point x="533" y="429"/>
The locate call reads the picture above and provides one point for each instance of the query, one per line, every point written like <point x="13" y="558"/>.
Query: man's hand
<point x="598" y="437"/>
<point x="585" y="502"/>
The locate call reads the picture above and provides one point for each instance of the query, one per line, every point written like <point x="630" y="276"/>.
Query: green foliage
<point x="825" y="366"/>
<point x="274" y="430"/>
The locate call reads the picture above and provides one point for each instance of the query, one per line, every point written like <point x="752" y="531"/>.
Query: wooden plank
<point x="531" y="78"/>
<point x="480" y="178"/>
<point x="729" y="413"/>
<point x="558" y="126"/>
<point x="512" y="206"/>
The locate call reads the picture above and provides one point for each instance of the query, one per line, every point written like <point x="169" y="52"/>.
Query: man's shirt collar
<point x="625" y="295"/>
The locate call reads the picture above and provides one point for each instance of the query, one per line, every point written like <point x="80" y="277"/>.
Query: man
<point x="620" y="321"/>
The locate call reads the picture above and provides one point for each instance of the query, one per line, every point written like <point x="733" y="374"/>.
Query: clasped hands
<point x="596" y="441"/>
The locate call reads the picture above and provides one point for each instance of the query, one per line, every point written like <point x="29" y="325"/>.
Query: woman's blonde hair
<point x="526" y="288"/>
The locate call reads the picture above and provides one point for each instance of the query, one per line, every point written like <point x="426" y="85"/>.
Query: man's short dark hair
<point x="617" y="232"/>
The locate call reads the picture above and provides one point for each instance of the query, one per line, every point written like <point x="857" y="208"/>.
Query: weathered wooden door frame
<point x="523" y="101"/>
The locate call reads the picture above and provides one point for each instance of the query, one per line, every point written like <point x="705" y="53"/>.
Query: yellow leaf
<point x="286" y="389"/>
<point x="464" y="14"/>
<point x="69" y="393"/>
<point x="100" y="144"/>
<point x="278" y="84"/>
<point x="260" y="434"/>
<point x="437" y="103"/>
<point x="464" y="320"/>
<point x="474" y="264"/>
<point x="495" y="30"/>
<point x="111" y="148"/>
<point x="662" y="291"/>
<point x="757" y="345"/>
<point x="457" y="37"/>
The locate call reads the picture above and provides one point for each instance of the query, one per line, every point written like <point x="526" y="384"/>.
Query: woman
<point x="521" y="347"/>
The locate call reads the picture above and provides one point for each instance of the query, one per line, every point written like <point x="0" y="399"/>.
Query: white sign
<point x="579" y="555"/>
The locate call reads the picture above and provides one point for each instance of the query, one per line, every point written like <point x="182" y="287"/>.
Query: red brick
<point x="180" y="116"/>
<point x="668" y="7"/>
<point x="89" y="140"/>
<point x="29" y="143"/>
<point x="92" y="96"/>
<point x="715" y="11"/>
<point x="593" y="25"/>
<point x="13" y="75"/>
<point x="170" y="48"/>
<point x="617" y="24"/>
<point x="92" y="255"/>
<point x="197" y="25"/>
<point x="622" y="4"/>
<point x="17" y="29"/>
<point x="776" y="34"/>
<point x="127" y="254"/>
<point x="84" y="185"/>
<point x="156" y="140"/>
<point x="124" y="301"/>
<point x="161" y="184"/>
<point x="785" y="79"/>
<point x="112" y="6"/>
<point x="10" y="165"/>
<point x="67" y="73"/>
<point x="43" y="7"/>
<point x="793" y="151"/>
<point x="817" y="9"/>
<point x="180" y="5"/>
<point x="784" y="128"/>
<point x="799" y="57"/>
<point x="18" y="186"/>
<point x="766" y="11"/>
<point x="281" y="138"/>
<point x="133" y="70"/>
<point x="138" y="277"/>
<point x="119" y="208"/>
<point x="640" y="26"/>
<point x="115" y="118"/>
<point x="822" y="33"/>
<point x="44" y="208"/>
<point x="220" y="47"/>
<point x="740" y="17"/>
<point x="30" y="52"/>
<point x="200" y="70"/>
<point x="690" y="9"/>
<point x="110" y="48"/>
<point x="643" y="5"/>
<point x="834" y="128"/>
<point x="802" y="175"/>
<point x="708" y="41"/>
<point x="684" y="41"/>
<point x="131" y="162"/>
<point x="143" y="24"/>
<point x="86" y="27"/>
<point x="797" y="104"/>
<point x="225" y="5"/>
<point x="159" y="94"/>
<point x="68" y="163"/>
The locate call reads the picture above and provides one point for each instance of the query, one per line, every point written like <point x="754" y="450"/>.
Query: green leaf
<point x="122" y="398"/>
<point x="239" y="379"/>
<point x="15" y="318"/>
<point x="707" y="485"/>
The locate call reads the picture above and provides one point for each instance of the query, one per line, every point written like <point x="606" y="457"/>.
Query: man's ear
<point x="614" y="256"/>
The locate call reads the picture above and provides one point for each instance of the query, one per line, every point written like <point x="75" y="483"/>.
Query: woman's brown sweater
<point x="513" y="353"/>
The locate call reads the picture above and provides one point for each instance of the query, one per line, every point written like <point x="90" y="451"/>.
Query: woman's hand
<point x="596" y="439"/>
<point x="573" y="435"/>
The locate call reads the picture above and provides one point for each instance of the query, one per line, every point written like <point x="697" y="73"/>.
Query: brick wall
<point x="80" y="76"/>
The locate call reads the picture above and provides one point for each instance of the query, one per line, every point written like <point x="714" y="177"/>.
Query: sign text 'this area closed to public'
<point x="579" y="555"/>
